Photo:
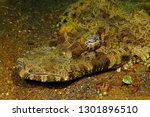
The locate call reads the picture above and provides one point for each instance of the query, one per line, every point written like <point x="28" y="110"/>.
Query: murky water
<point x="25" y="25"/>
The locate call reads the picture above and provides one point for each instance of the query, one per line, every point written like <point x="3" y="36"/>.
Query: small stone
<point x="127" y="79"/>
<point x="100" y="94"/>
<point x="118" y="70"/>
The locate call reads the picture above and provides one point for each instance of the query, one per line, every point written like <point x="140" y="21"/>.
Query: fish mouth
<point x="42" y="77"/>
<point x="37" y="73"/>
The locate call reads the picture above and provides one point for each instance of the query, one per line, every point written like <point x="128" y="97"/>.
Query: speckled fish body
<point x="59" y="66"/>
<point x="98" y="35"/>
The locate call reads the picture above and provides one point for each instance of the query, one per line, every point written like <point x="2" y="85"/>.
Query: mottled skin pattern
<point x="98" y="35"/>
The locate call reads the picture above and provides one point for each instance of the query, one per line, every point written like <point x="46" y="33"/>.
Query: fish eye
<point x="92" y="39"/>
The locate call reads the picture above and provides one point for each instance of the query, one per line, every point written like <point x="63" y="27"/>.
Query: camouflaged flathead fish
<point x="97" y="35"/>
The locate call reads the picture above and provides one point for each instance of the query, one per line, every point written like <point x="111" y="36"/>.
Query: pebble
<point x="118" y="70"/>
<point x="7" y="94"/>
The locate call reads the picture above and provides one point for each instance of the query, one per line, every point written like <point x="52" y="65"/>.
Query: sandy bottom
<point x="22" y="29"/>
